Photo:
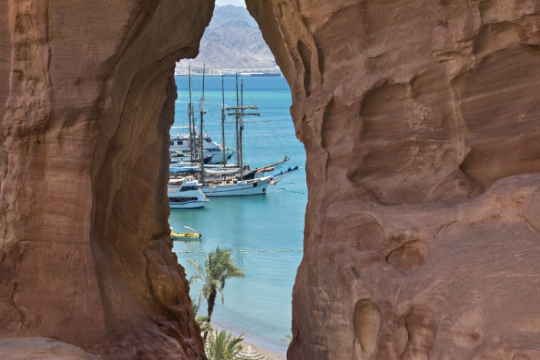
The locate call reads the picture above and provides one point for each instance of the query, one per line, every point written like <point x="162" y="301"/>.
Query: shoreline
<point x="270" y="354"/>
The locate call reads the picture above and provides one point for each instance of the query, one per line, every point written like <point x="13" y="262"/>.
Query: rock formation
<point x="421" y="122"/>
<point x="87" y="99"/>
<point x="38" y="348"/>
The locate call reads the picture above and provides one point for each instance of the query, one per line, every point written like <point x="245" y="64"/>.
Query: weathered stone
<point x="87" y="94"/>
<point x="39" y="348"/>
<point x="421" y="122"/>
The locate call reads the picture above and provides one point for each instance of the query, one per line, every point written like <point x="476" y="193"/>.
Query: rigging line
<point x="278" y="138"/>
<point x="251" y="145"/>
<point x="296" y="192"/>
<point x="248" y="94"/>
<point x="213" y="102"/>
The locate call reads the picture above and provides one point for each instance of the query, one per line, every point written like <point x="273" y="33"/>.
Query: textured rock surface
<point x="37" y="348"/>
<point x="421" y="122"/>
<point x="87" y="98"/>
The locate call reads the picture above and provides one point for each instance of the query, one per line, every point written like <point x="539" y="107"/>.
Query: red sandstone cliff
<point x="421" y="123"/>
<point x="87" y="98"/>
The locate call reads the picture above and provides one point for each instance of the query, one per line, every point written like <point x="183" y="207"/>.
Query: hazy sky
<point x="231" y="2"/>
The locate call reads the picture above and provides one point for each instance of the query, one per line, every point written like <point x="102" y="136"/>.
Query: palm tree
<point x="202" y="320"/>
<point x="223" y="346"/>
<point x="218" y="267"/>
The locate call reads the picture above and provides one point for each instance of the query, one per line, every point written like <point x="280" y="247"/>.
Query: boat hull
<point x="218" y="156"/>
<point x="187" y="205"/>
<point x="240" y="188"/>
<point x="185" y="236"/>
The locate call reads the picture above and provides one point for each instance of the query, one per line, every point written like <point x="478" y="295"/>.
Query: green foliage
<point x="218" y="267"/>
<point x="202" y="320"/>
<point x="195" y="307"/>
<point x="204" y="324"/>
<point x="223" y="346"/>
<point x="288" y="338"/>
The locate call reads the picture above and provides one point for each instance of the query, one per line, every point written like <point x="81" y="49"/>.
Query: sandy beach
<point x="269" y="354"/>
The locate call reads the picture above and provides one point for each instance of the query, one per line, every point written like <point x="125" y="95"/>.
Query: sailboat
<point x="233" y="186"/>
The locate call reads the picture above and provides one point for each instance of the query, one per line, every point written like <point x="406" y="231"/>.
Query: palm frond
<point x="195" y="307"/>
<point x="200" y="272"/>
<point x="223" y="345"/>
<point x="204" y="325"/>
<point x="218" y="267"/>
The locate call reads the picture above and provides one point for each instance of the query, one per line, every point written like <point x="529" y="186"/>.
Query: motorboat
<point x="180" y="143"/>
<point x="193" y="235"/>
<point x="185" y="193"/>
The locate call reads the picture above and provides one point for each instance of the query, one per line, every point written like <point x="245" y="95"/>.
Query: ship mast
<point x="238" y="153"/>
<point x="241" y="130"/>
<point x="201" y="128"/>
<point x="239" y="113"/>
<point x="223" y="120"/>
<point x="191" y="120"/>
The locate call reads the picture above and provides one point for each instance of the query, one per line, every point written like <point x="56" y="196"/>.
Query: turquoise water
<point x="268" y="229"/>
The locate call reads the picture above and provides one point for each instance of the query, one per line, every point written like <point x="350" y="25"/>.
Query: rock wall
<point x="421" y="122"/>
<point x="87" y="99"/>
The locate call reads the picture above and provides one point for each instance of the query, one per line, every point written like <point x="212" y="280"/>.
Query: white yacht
<point x="180" y="143"/>
<point x="185" y="193"/>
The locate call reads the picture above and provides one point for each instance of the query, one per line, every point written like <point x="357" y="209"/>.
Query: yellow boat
<point x="186" y="235"/>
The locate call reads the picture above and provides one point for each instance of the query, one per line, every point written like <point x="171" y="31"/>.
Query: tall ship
<point x="217" y="178"/>
<point x="234" y="184"/>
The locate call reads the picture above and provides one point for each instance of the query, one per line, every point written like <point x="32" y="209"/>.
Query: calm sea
<point x="264" y="232"/>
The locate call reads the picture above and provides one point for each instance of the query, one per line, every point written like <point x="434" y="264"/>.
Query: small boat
<point x="185" y="193"/>
<point x="194" y="235"/>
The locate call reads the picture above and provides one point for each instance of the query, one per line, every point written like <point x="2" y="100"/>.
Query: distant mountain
<point x="232" y="42"/>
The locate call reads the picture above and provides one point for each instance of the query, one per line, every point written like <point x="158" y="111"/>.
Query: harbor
<point x="264" y="232"/>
